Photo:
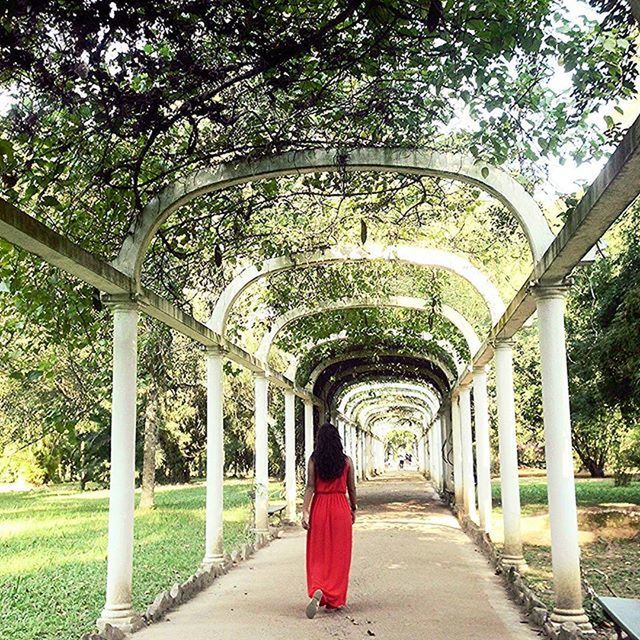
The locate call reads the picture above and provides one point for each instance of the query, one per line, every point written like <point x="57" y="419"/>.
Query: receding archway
<point x="420" y="162"/>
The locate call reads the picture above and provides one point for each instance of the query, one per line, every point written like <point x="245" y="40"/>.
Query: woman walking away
<point x="328" y="518"/>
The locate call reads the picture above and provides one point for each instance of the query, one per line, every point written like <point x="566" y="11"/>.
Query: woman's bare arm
<point x="308" y="493"/>
<point x="351" y="488"/>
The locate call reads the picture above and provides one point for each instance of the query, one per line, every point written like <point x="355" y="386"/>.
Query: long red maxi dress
<point x="329" y="541"/>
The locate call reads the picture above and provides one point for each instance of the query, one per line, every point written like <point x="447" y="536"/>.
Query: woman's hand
<point x="353" y="516"/>
<point x="305" y="522"/>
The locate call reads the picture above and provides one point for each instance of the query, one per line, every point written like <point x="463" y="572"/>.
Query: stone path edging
<point x="179" y="593"/>
<point x="517" y="587"/>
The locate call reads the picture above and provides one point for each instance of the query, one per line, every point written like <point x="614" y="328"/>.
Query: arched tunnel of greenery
<point x="104" y="104"/>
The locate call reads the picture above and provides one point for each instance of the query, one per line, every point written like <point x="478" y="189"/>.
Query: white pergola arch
<point x="420" y="162"/>
<point x="360" y="405"/>
<point x="419" y="256"/>
<point x="368" y="412"/>
<point x="406" y="388"/>
<point x="404" y="302"/>
<point x="315" y="374"/>
<point x="294" y="361"/>
<point x="389" y="393"/>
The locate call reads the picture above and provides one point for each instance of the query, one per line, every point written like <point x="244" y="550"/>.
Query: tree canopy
<point x="103" y="103"/>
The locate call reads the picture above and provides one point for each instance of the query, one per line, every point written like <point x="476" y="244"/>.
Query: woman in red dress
<point x="328" y="518"/>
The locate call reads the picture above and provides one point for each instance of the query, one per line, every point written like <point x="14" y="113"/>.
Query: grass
<point x="53" y="545"/>
<point x="609" y="526"/>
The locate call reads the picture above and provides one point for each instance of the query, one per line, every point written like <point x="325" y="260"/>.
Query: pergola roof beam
<point x="25" y="232"/>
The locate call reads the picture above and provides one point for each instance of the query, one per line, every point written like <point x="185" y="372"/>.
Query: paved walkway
<point x="415" y="575"/>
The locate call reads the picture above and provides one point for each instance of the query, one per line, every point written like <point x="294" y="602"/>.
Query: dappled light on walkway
<point x="415" y="574"/>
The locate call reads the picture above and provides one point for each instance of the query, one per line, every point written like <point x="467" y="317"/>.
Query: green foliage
<point x="589" y="492"/>
<point x="54" y="544"/>
<point x="399" y="440"/>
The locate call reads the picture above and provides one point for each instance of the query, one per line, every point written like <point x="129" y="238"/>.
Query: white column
<point x="118" y="609"/>
<point x="457" y="451"/>
<point x="483" y="454"/>
<point x="565" y="550"/>
<point x="469" y="487"/>
<point x="214" y="540"/>
<point x="308" y="432"/>
<point x="290" y="453"/>
<point x="509" y="481"/>
<point x="341" y="428"/>
<point x="437" y="453"/>
<point x="430" y="448"/>
<point x="262" y="453"/>
<point x="421" y="461"/>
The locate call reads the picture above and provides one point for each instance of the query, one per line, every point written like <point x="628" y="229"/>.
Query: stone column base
<point x="560" y="616"/>
<point x="516" y="561"/>
<point x="128" y="623"/>
<point x="212" y="561"/>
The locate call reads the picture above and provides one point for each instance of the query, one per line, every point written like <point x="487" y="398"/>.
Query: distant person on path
<point x="328" y="518"/>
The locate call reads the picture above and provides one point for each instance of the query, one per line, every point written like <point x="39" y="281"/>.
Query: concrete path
<point x="414" y="575"/>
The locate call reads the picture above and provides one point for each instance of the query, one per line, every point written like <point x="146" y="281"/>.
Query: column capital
<point x="543" y="290"/>
<point x="480" y="370"/>
<point x="216" y="349"/>
<point x="260" y="375"/>
<point x="503" y="343"/>
<point x="121" y="301"/>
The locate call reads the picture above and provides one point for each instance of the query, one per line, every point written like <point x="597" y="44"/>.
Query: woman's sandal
<point x="314" y="604"/>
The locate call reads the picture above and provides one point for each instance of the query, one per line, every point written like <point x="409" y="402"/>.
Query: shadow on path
<point x="415" y="575"/>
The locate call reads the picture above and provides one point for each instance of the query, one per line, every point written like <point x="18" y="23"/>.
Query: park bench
<point x="625" y="615"/>
<point x="276" y="511"/>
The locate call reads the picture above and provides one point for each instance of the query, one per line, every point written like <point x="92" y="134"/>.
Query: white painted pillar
<point x="308" y="433"/>
<point x="341" y="428"/>
<point x="483" y="447"/>
<point x="365" y="456"/>
<point x="441" y="454"/>
<point x="458" y="482"/>
<point x="565" y="550"/>
<point x="118" y="609"/>
<point x="290" y="453"/>
<point x="214" y="539"/>
<point x="508" y="448"/>
<point x="437" y="453"/>
<point x="421" y="460"/>
<point x="262" y="453"/>
<point x="430" y="464"/>
<point x="468" y="484"/>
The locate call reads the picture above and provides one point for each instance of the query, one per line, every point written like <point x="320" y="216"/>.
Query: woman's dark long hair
<point x="328" y="454"/>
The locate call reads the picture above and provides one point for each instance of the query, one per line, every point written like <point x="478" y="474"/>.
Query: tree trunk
<point x="595" y="470"/>
<point x="147" y="498"/>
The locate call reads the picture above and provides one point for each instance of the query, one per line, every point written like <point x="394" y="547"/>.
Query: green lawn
<point x="53" y="553"/>
<point x="609" y="524"/>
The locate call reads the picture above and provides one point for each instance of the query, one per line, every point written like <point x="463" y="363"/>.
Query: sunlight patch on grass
<point x="53" y="543"/>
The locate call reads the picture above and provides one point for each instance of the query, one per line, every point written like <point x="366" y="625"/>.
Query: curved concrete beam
<point x="387" y="391"/>
<point x="391" y="402"/>
<point x="419" y="256"/>
<point x="369" y="387"/>
<point x="369" y="372"/>
<point x="315" y="374"/>
<point x="294" y="362"/>
<point x="403" y="302"/>
<point x="366" y="411"/>
<point x="429" y="163"/>
<point x="365" y="408"/>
